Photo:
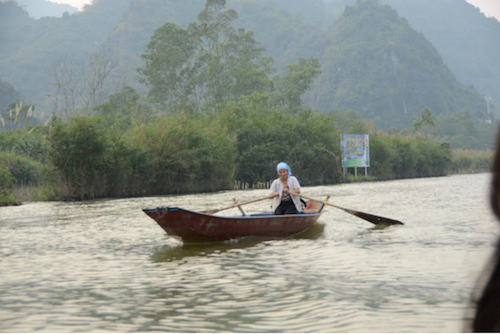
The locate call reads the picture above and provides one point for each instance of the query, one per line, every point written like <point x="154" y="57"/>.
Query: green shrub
<point x="182" y="155"/>
<point x="471" y="161"/>
<point x="79" y="153"/>
<point x="396" y="157"/>
<point x="6" y="184"/>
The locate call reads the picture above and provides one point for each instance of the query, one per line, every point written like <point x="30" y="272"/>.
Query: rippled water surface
<point x="105" y="266"/>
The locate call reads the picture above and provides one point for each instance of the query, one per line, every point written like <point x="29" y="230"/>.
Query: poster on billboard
<point x="355" y="151"/>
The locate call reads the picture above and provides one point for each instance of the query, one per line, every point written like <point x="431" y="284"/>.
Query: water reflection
<point x="170" y="253"/>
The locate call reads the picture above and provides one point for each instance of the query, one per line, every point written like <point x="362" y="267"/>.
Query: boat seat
<point x="313" y="206"/>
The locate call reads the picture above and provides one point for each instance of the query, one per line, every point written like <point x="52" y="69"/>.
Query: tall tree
<point x="79" y="84"/>
<point x="170" y="65"/>
<point x="296" y="82"/>
<point x="209" y="62"/>
<point x="425" y="124"/>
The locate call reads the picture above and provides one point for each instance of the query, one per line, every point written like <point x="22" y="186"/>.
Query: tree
<point x="170" y="66"/>
<point x="425" y="124"/>
<point x="124" y="109"/>
<point x="6" y="183"/>
<point x="66" y="84"/>
<point x="80" y="84"/>
<point x="249" y="67"/>
<point x="98" y="70"/>
<point x="78" y="153"/>
<point x="206" y="64"/>
<point x="297" y="81"/>
<point x="216" y="29"/>
<point x="232" y="59"/>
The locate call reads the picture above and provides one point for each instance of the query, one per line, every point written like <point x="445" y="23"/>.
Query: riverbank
<point x="461" y="162"/>
<point x="23" y="194"/>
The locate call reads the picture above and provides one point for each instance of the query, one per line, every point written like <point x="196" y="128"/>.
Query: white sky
<point x="75" y="3"/>
<point x="488" y="7"/>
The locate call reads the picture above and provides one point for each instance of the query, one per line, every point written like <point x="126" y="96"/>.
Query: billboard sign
<point x="355" y="151"/>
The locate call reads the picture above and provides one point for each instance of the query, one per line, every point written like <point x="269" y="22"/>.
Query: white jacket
<point x="277" y="187"/>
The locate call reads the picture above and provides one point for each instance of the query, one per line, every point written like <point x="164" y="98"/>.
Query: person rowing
<point x="285" y="203"/>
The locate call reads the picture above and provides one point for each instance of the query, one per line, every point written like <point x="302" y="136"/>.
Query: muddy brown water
<point x="104" y="266"/>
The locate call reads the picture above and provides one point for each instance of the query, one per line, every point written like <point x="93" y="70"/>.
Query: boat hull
<point x="190" y="226"/>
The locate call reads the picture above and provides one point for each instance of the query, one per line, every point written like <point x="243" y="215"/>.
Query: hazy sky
<point x="488" y="7"/>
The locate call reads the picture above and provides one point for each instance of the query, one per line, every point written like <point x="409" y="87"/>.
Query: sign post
<point x="355" y="152"/>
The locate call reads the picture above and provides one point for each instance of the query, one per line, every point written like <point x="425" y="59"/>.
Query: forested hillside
<point x="378" y="65"/>
<point x="31" y="49"/>
<point x="463" y="36"/>
<point x="107" y="39"/>
<point x="202" y="106"/>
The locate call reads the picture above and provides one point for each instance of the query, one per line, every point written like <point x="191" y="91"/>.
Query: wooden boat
<point x="190" y="226"/>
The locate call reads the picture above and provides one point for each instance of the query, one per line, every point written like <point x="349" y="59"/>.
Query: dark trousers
<point x="286" y="208"/>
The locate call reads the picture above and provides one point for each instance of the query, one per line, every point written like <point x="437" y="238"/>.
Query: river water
<point x="104" y="266"/>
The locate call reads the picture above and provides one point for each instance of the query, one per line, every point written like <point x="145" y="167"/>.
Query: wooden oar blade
<point x="377" y="220"/>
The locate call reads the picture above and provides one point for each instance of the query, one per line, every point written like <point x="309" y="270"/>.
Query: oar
<point x="235" y="205"/>
<point x="377" y="220"/>
<point x="239" y="206"/>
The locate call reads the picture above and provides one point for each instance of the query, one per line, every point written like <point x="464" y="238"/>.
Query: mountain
<point x="30" y="48"/>
<point x="42" y="8"/>
<point x="288" y="30"/>
<point x="136" y="24"/>
<point x="468" y="41"/>
<point x="379" y="66"/>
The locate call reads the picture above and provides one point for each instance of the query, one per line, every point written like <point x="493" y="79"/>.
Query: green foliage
<point x="92" y="162"/>
<point x="78" y="151"/>
<point x="373" y="64"/>
<point x="6" y="183"/>
<point x="425" y="122"/>
<point x="184" y="155"/>
<point x="124" y="109"/>
<point x="463" y="130"/>
<point x="396" y="157"/>
<point x="471" y="161"/>
<point x="462" y="35"/>
<point x="6" y="180"/>
<point x="387" y="71"/>
<point x="244" y="141"/>
<point x="167" y="156"/>
<point x="205" y="64"/>
<point x="169" y="67"/>
<point x="29" y="142"/>
<point x="23" y="153"/>
<point x="25" y="170"/>
<point x="296" y="82"/>
<point x="309" y="142"/>
<point x="315" y="154"/>
<point x="379" y="66"/>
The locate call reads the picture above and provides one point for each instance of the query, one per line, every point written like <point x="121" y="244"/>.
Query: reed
<point x="471" y="161"/>
<point x="30" y="193"/>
